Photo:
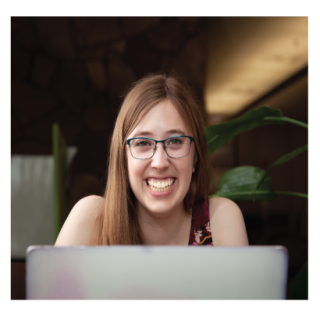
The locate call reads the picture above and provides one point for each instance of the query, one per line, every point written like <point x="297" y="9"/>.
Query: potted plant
<point x="247" y="183"/>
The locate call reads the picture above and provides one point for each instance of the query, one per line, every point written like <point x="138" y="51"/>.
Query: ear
<point x="194" y="162"/>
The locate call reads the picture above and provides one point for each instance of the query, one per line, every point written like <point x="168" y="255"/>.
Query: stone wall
<point x="75" y="71"/>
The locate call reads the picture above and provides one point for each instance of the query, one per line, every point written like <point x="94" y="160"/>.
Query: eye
<point x="175" y="141"/>
<point x="142" y="143"/>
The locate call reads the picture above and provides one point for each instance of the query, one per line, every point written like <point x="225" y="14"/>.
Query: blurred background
<point x="74" y="71"/>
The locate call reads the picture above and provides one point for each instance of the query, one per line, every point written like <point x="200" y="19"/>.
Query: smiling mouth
<point x="162" y="186"/>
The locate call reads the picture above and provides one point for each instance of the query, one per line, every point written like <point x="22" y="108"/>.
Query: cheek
<point x="135" y="170"/>
<point x="186" y="170"/>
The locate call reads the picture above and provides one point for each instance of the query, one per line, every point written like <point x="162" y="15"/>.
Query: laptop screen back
<point x="152" y="272"/>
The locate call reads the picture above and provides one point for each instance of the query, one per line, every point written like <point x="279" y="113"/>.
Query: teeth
<point x="160" y="186"/>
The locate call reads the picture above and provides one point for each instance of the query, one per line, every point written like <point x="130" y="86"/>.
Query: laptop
<point x="156" y="272"/>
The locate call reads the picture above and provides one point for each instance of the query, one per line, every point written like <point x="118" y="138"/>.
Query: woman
<point x="158" y="178"/>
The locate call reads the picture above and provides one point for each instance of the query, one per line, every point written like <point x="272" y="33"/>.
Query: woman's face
<point x="161" y="122"/>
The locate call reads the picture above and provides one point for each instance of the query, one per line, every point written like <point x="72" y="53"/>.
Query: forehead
<point x="161" y="121"/>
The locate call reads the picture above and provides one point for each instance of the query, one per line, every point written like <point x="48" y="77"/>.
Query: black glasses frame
<point x="157" y="141"/>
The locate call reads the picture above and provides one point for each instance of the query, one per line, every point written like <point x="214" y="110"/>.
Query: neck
<point x="170" y="229"/>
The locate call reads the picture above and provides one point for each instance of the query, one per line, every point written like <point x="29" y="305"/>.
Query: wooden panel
<point x="18" y="280"/>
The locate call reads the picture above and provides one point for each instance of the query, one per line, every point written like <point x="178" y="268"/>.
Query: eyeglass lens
<point x="176" y="147"/>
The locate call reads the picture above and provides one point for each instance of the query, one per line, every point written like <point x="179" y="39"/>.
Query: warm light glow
<point x="250" y="56"/>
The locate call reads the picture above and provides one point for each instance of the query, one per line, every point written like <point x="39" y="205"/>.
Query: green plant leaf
<point x="219" y="134"/>
<point x="281" y="160"/>
<point x="298" y="287"/>
<point x="290" y="193"/>
<point x="293" y="121"/>
<point x="238" y="183"/>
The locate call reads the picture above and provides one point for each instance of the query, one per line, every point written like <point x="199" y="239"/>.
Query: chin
<point x="161" y="209"/>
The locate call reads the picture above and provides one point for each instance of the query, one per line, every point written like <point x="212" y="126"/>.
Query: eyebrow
<point x="147" y="133"/>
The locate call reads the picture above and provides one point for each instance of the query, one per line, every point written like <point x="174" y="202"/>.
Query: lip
<point x="163" y="193"/>
<point x="160" y="178"/>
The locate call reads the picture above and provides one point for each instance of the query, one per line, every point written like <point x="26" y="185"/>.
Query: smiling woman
<point x="158" y="178"/>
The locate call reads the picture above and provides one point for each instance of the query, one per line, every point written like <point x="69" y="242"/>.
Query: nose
<point x="160" y="158"/>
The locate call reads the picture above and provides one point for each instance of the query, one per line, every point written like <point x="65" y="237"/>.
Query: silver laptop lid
<point x="154" y="272"/>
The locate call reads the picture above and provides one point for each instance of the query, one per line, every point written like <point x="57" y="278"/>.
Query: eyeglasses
<point x="144" y="148"/>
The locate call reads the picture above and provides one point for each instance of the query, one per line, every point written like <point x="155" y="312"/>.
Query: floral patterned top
<point x="200" y="232"/>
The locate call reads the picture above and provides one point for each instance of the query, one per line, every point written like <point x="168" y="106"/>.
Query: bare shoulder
<point x="223" y="207"/>
<point x="77" y="228"/>
<point x="87" y="208"/>
<point x="227" y="223"/>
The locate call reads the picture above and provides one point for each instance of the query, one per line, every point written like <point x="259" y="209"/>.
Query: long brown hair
<point x="118" y="222"/>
